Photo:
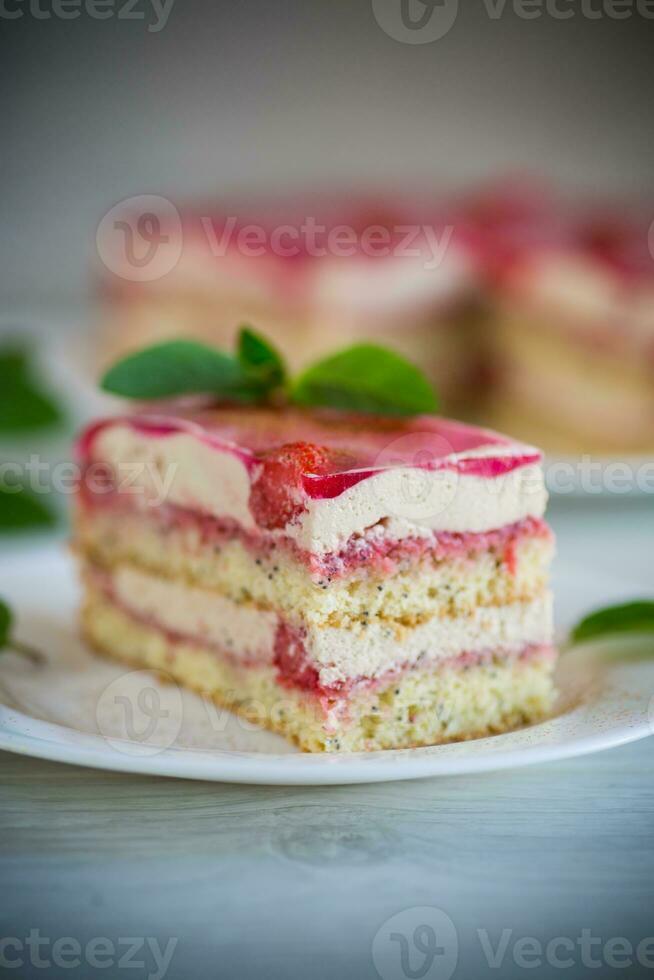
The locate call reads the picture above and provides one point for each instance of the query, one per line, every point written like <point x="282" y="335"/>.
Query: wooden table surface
<point x="213" y="881"/>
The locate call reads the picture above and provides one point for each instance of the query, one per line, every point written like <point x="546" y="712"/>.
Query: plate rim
<point x="296" y="769"/>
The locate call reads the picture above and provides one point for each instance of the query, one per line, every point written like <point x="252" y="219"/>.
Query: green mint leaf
<point x="6" y="621"/>
<point x="631" y="617"/>
<point x="24" y="406"/>
<point x="366" y="378"/>
<point x="258" y="356"/>
<point x="179" y="367"/>
<point x="21" y="510"/>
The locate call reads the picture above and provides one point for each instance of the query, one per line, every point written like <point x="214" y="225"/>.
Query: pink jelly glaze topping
<point x="291" y="454"/>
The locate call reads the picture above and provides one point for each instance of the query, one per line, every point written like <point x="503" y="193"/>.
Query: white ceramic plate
<point x="83" y="710"/>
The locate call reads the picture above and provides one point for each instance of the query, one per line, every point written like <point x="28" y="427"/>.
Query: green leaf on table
<point x="24" y="406"/>
<point x="629" y="617"/>
<point x="7" y="640"/>
<point x="6" y="621"/>
<point x="21" y="510"/>
<point x="24" y="409"/>
<point x="366" y="378"/>
<point x="13" y="363"/>
<point x="179" y="367"/>
<point x="258" y="357"/>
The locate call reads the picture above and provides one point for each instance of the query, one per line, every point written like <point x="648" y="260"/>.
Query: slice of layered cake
<point x="573" y="330"/>
<point x="351" y="582"/>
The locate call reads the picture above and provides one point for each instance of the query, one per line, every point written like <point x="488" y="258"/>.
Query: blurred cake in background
<point x="573" y="330"/>
<point x="530" y="312"/>
<point x="312" y="275"/>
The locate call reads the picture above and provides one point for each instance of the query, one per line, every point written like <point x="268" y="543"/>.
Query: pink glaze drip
<point x="158" y="426"/>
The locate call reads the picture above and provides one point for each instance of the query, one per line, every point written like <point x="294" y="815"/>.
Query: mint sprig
<point x="629" y="617"/>
<point x="362" y="378"/>
<point x="7" y="640"/>
<point x="258" y="357"/>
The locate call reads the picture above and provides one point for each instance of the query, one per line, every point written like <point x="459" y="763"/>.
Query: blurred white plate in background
<point x="600" y="477"/>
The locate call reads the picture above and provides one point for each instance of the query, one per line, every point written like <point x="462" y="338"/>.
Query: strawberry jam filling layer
<point x="376" y="551"/>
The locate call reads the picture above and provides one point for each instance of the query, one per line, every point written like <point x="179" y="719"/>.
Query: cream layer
<point x="339" y="655"/>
